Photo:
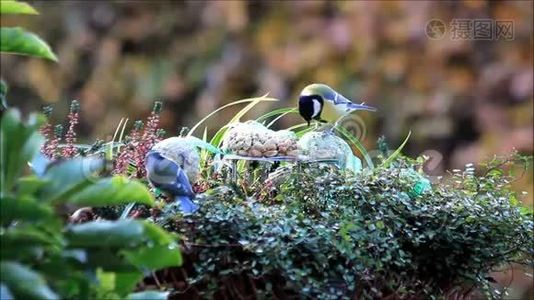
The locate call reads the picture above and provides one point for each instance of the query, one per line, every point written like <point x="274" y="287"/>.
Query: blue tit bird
<point x="165" y="174"/>
<point x="313" y="97"/>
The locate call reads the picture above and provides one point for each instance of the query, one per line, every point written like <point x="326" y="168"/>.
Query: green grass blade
<point x="256" y="100"/>
<point x="356" y="143"/>
<point x="121" y="136"/>
<point x="204" y="153"/>
<point x="298" y="126"/>
<point x="205" y="134"/>
<point x="249" y="106"/>
<point x="110" y="151"/>
<point x="290" y="111"/>
<point x="193" y="140"/>
<point x="302" y="132"/>
<point x="275" y="112"/>
<point x="219" y="136"/>
<point x="397" y="152"/>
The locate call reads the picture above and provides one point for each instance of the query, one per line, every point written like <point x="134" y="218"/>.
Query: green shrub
<point x="320" y="233"/>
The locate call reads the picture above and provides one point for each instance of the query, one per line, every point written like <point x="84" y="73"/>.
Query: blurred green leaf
<point x="125" y="233"/>
<point x="155" y="257"/>
<point x="116" y="190"/>
<point x="16" y="40"/>
<point x="109" y="260"/>
<point x="18" y="144"/>
<point x="15" y="7"/>
<point x="65" y="178"/>
<point x="28" y="185"/>
<point x="125" y="282"/>
<point x="106" y="234"/>
<point x="23" y="209"/>
<point x="106" y="280"/>
<point x="525" y="210"/>
<point x="158" y="235"/>
<point x="25" y="283"/>
<point x="26" y="236"/>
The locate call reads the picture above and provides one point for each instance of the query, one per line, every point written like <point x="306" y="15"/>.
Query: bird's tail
<point x="186" y="204"/>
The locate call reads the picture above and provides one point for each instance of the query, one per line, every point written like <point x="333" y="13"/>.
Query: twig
<point x="158" y="284"/>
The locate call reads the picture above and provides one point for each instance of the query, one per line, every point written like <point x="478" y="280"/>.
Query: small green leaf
<point x="24" y="283"/>
<point x="16" y="8"/>
<point x="16" y="40"/>
<point x="525" y="210"/>
<point x="116" y="190"/>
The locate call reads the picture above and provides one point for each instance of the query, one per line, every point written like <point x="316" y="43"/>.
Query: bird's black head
<point x="310" y="107"/>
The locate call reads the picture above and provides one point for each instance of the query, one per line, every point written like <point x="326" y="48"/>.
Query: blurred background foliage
<point x="463" y="100"/>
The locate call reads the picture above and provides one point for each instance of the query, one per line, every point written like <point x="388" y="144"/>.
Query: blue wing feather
<point x="186" y="204"/>
<point x="354" y="106"/>
<point x="338" y="99"/>
<point x="169" y="177"/>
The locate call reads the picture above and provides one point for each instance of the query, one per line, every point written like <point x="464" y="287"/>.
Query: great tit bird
<point x="313" y="96"/>
<point x="167" y="175"/>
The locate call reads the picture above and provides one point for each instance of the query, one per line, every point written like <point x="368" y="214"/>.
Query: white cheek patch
<point x="316" y="108"/>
